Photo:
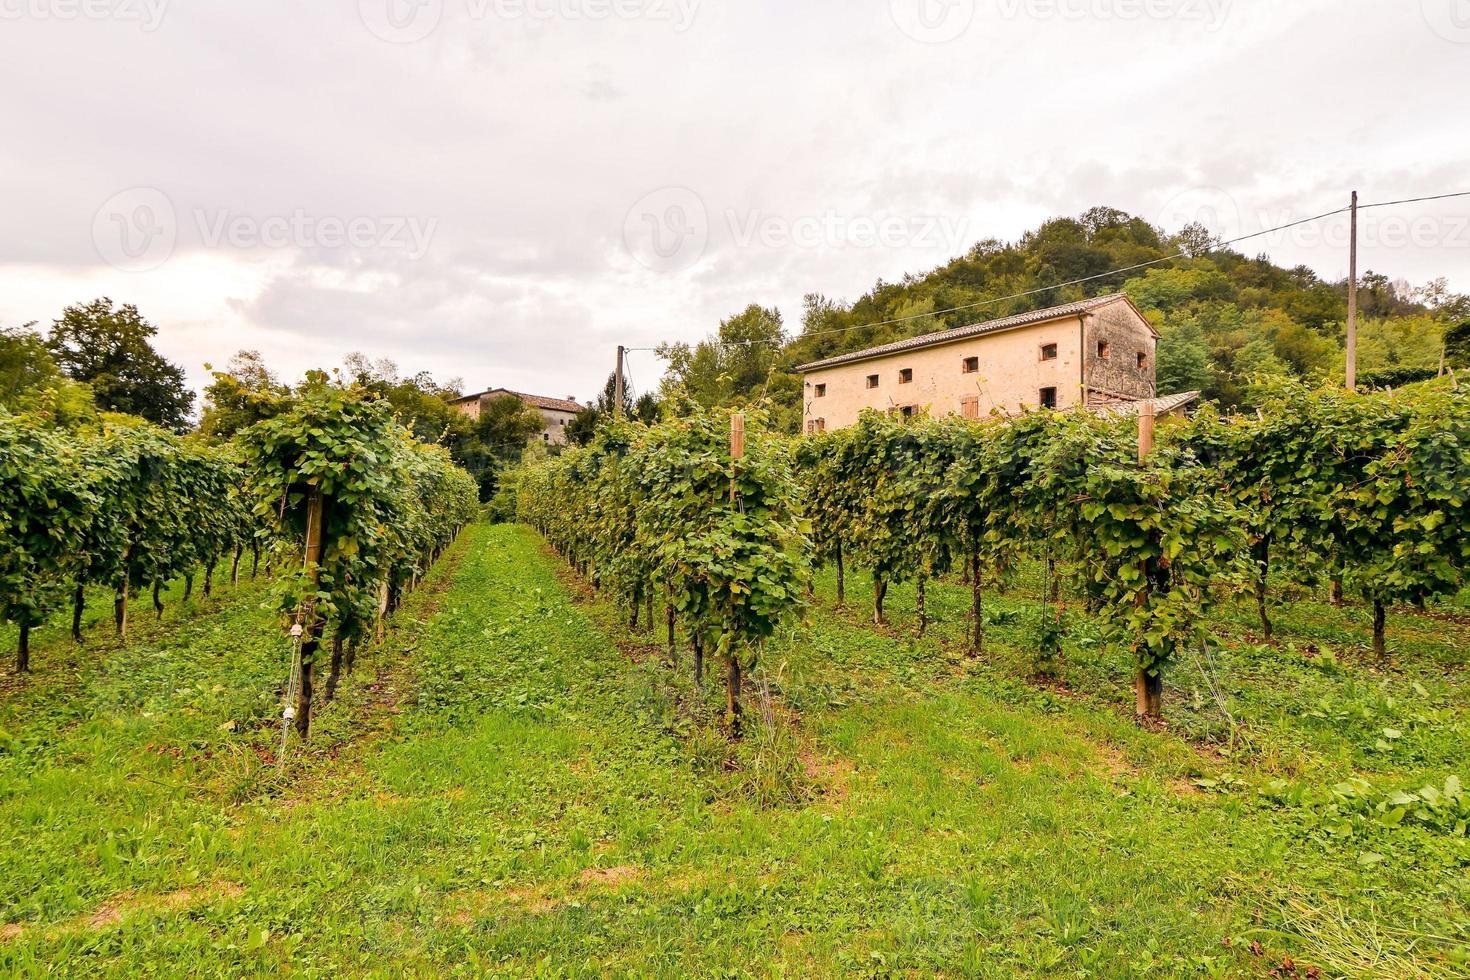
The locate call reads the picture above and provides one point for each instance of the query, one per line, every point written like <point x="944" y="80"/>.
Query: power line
<point x="1084" y="279"/>
<point x="1414" y="200"/>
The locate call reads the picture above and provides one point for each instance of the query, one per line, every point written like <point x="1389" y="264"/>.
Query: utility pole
<point x="1352" y="323"/>
<point x="618" y="386"/>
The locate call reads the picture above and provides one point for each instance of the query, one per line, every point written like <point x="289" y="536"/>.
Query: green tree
<point x="645" y="408"/>
<point x="1457" y="345"/>
<point x="420" y="403"/>
<point x="1183" y="360"/>
<point x="732" y="368"/>
<point x="31" y="381"/>
<point x="581" y="429"/>
<point x="246" y="393"/>
<point x="110" y="349"/>
<point x="1259" y="357"/>
<point x="497" y="439"/>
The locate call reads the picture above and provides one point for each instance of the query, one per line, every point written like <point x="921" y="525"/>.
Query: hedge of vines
<point x="921" y="499"/>
<point x="129" y="507"/>
<point x="347" y="492"/>
<point x="1366" y="491"/>
<point x="665" y="510"/>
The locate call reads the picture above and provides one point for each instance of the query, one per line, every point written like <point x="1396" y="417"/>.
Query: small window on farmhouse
<point x="907" y="411"/>
<point x="1048" y="352"/>
<point x="872" y="381"/>
<point x="1048" y="398"/>
<point x="1102" y="349"/>
<point x="821" y="391"/>
<point x="970" y="407"/>
<point x="1142" y="360"/>
<point x="821" y="425"/>
<point x="972" y="365"/>
<point x="905" y="376"/>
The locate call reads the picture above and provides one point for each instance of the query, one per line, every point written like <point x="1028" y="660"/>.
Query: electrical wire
<point x="1085" y="279"/>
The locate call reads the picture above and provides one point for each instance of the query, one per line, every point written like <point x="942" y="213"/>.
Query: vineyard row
<point x="344" y="504"/>
<point x="1363" y="492"/>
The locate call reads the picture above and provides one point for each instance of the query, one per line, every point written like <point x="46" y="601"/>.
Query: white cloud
<point x="525" y="138"/>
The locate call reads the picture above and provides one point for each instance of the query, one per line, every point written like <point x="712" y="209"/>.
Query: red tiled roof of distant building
<point x="535" y="401"/>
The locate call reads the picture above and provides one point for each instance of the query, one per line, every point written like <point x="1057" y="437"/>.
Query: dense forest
<point x="1224" y="318"/>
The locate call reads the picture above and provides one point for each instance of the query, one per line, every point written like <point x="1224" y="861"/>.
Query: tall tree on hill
<point x="110" y="349"/>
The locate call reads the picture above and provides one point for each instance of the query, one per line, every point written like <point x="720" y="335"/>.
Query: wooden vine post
<point x="1148" y="688"/>
<point x="312" y="624"/>
<point x="732" y="657"/>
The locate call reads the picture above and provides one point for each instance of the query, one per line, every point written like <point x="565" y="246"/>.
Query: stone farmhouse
<point x="557" y="413"/>
<point x="1097" y="353"/>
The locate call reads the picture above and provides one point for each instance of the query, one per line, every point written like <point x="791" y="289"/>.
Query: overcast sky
<point x="504" y="190"/>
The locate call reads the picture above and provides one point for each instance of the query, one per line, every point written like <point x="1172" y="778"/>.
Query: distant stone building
<point x="557" y="413"/>
<point x="1097" y="353"/>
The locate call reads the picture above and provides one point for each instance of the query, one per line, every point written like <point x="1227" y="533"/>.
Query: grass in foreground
<point x="536" y="794"/>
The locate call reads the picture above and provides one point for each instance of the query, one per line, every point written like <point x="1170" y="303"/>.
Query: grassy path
<point x="530" y="802"/>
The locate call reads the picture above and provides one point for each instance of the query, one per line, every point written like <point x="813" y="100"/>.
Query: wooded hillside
<point x="1224" y="317"/>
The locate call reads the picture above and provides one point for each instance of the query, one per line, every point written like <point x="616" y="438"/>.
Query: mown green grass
<point x="515" y="784"/>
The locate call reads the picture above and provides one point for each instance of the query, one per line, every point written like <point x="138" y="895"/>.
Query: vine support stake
<point x="312" y="635"/>
<point x="732" y="663"/>
<point x="1148" y="688"/>
<point x="737" y="447"/>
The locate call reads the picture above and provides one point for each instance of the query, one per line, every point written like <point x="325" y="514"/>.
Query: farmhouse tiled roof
<point x="1162" y="406"/>
<point x="962" y="333"/>
<point x="541" y="401"/>
<point x="535" y="401"/>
